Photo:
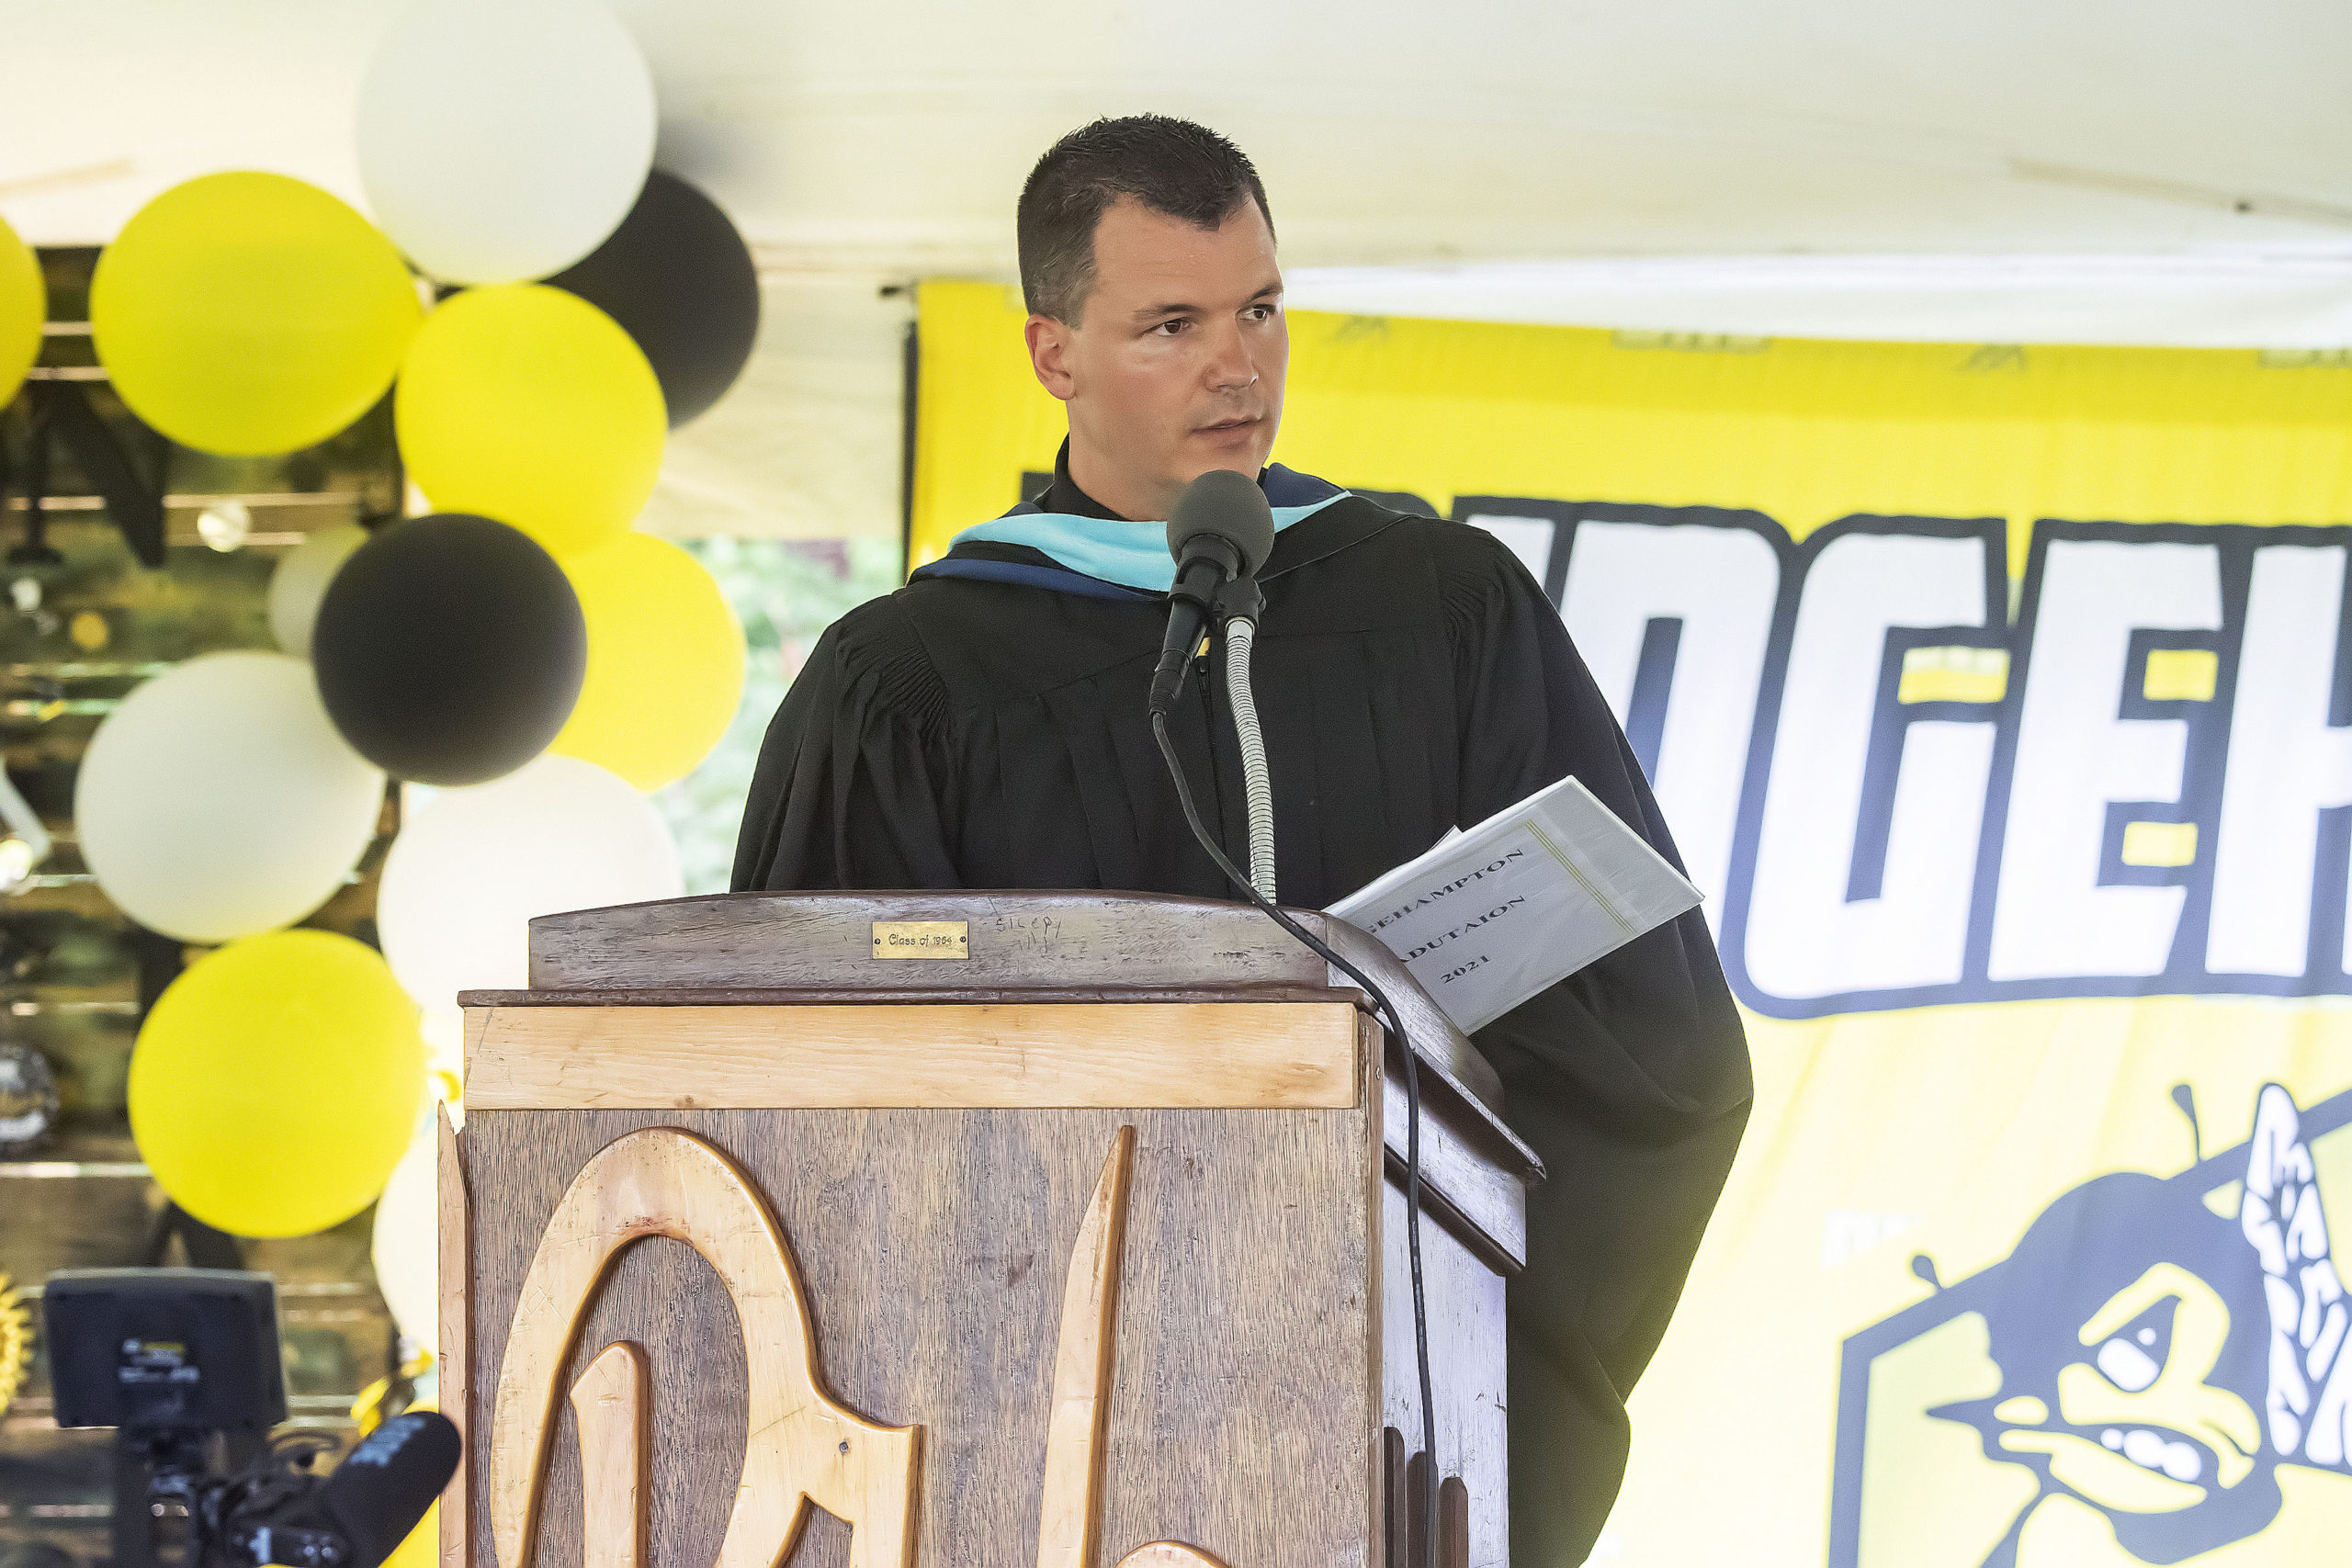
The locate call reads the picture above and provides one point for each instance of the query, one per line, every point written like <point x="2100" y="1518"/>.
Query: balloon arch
<point x="542" y="305"/>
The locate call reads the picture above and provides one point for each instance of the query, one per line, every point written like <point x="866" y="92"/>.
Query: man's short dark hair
<point x="1172" y="166"/>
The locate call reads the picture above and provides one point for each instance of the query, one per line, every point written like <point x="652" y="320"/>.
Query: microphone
<point x="1222" y="531"/>
<point x="369" y="1505"/>
<point x="382" y="1488"/>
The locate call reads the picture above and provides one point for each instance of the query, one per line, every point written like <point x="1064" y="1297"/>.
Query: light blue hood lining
<point x="1134" y="555"/>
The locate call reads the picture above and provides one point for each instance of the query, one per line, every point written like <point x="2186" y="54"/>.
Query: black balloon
<point x="449" y="649"/>
<point x="678" y="278"/>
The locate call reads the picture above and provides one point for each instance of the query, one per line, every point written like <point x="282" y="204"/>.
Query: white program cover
<point x="1486" y="919"/>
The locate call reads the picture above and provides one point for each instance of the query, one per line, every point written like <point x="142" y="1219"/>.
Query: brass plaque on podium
<point x="923" y="938"/>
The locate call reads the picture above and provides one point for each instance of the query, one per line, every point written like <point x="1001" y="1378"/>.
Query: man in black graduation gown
<point x="985" y="726"/>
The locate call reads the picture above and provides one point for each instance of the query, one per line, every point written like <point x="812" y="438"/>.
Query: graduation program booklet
<point x="1486" y="919"/>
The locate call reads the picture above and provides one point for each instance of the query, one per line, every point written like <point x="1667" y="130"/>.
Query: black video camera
<point x="184" y="1364"/>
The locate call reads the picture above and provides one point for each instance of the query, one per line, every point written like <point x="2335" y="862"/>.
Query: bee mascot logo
<point x="2164" y="1347"/>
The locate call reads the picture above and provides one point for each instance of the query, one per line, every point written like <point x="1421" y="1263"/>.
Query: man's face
<point x="1176" y="365"/>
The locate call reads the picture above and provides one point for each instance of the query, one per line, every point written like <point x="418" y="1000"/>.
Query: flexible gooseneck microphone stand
<point x="1239" y="607"/>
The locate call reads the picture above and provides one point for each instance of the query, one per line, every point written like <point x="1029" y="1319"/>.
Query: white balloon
<point x="472" y="866"/>
<point x="504" y="140"/>
<point x="444" y="1028"/>
<point x="301" y="581"/>
<point x="406" y="1244"/>
<point x="218" y="800"/>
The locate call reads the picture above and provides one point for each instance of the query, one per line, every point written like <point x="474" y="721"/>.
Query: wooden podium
<point x="1033" y="1229"/>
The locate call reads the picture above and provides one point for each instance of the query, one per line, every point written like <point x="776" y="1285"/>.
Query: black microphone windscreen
<point x="1230" y="506"/>
<point x="382" y="1487"/>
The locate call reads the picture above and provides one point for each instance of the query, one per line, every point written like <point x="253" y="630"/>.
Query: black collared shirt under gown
<point x="1411" y="677"/>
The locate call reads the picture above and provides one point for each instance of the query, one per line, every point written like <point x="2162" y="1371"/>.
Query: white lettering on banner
<point x="1717" y="584"/>
<point x="1807" y="934"/>
<point x="2287" y="764"/>
<point x="2058" y="914"/>
<point x="2143" y="786"/>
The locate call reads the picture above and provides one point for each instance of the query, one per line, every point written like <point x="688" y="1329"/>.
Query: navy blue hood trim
<point x="1057" y="579"/>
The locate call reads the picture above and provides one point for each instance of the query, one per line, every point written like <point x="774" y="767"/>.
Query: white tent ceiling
<point x="890" y="137"/>
<point x="2094" y="170"/>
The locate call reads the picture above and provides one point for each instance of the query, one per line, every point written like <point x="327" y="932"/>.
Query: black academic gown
<point x="1412" y="677"/>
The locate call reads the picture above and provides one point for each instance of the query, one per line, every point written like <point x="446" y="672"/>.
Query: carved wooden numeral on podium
<point x="1069" y="1519"/>
<point x="1168" y="1554"/>
<point x="803" y="1445"/>
<point x="608" y="1407"/>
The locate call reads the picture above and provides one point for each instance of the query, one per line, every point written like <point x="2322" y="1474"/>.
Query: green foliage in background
<point x="786" y="593"/>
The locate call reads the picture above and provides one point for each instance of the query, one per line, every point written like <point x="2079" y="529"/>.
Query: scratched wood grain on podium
<point x="941" y="1057"/>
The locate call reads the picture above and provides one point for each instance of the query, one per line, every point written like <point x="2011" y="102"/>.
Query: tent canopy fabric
<point x="2103" y="171"/>
<point x="891" y="137"/>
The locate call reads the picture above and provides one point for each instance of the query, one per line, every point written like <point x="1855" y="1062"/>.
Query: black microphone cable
<point x="1394" y="1027"/>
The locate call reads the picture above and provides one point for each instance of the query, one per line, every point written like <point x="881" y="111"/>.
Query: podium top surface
<point x="880" y="946"/>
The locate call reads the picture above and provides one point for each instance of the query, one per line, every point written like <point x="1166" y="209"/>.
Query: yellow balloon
<point x="665" y="661"/>
<point x="24" y="306"/>
<point x="274" y="1084"/>
<point x="250" y="313"/>
<point x="422" y="1546"/>
<point x="529" y="405"/>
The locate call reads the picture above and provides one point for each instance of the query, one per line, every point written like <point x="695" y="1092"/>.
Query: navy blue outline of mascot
<point x="2159" y="1361"/>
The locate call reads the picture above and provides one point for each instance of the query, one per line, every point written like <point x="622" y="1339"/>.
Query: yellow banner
<point x="2001" y="702"/>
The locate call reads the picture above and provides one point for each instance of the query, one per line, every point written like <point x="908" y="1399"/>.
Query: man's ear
<point x="1050" y="350"/>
